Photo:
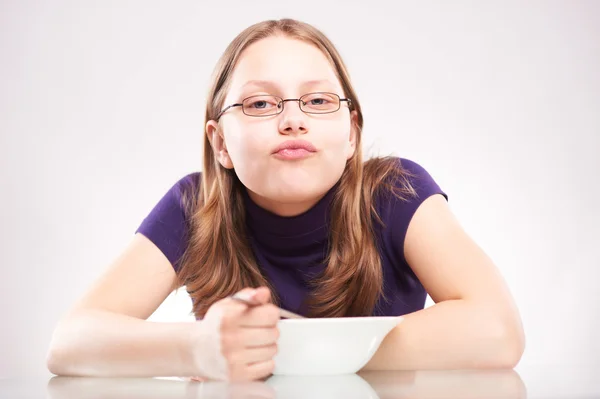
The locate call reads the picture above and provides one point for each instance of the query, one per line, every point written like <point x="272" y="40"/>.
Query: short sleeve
<point x="166" y="224"/>
<point x="402" y="211"/>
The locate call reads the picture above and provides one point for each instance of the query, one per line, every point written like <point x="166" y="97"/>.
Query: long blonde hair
<point x="219" y="261"/>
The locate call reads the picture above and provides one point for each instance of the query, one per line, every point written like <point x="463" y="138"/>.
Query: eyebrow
<point x="271" y="84"/>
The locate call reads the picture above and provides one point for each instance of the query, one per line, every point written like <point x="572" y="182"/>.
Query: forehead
<point x="280" y="63"/>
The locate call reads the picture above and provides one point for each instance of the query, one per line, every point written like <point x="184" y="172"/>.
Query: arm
<point x="97" y="343"/>
<point x="474" y="322"/>
<point x="106" y="332"/>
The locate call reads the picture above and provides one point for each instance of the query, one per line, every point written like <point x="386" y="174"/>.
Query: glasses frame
<point x="281" y="104"/>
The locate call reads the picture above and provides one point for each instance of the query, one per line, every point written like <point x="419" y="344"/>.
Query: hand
<point x="237" y="342"/>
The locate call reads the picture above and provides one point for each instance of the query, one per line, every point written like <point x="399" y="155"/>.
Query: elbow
<point x="61" y="363"/>
<point x="53" y="363"/>
<point x="57" y="357"/>
<point x="509" y="345"/>
<point x="515" y="346"/>
<point x="502" y="340"/>
<point x="509" y="356"/>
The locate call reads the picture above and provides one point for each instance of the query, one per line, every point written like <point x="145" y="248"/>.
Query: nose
<point x="293" y="120"/>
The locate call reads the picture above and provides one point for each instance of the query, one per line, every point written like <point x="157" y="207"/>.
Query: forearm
<point x="98" y="344"/>
<point x="455" y="334"/>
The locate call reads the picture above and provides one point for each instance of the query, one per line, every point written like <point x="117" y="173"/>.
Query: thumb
<point x="262" y="295"/>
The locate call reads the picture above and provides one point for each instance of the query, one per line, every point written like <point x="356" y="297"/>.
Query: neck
<point x="284" y="209"/>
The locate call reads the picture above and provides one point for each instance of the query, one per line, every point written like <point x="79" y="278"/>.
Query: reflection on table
<point x="461" y="384"/>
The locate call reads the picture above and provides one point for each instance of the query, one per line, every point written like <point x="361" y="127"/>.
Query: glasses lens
<point x="320" y="103"/>
<point x="261" y="105"/>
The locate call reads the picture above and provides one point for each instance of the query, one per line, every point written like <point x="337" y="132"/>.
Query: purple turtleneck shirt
<point x="291" y="250"/>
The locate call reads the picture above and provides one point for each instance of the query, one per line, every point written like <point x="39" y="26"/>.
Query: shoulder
<point x="186" y="184"/>
<point x="405" y="177"/>
<point x="398" y="201"/>
<point x="166" y="224"/>
<point x="420" y="179"/>
<point x="178" y="194"/>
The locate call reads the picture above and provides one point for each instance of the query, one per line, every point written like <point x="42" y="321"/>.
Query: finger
<point x="260" y="316"/>
<point x="262" y="295"/>
<point x="258" y="336"/>
<point x="247" y="294"/>
<point x="260" y="354"/>
<point x="258" y="296"/>
<point x="238" y="306"/>
<point x="259" y="370"/>
<point x="232" y="312"/>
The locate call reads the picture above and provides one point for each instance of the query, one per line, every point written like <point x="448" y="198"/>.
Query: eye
<point x="320" y="102"/>
<point x="258" y="105"/>
<point x="261" y="104"/>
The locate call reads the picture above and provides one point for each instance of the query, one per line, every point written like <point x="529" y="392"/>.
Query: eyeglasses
<point x="268" y="105"/>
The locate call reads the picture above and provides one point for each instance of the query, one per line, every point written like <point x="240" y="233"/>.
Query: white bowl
<point x="328" y="346"/>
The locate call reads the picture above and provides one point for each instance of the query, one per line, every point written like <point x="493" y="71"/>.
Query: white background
<point x="101" y="111"/>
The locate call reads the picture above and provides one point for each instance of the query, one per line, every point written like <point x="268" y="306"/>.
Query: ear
<point x="353" y="133"/>
<point x="217" y="142"/>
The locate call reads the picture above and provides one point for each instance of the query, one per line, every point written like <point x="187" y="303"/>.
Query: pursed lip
<point x="294" y="145"/>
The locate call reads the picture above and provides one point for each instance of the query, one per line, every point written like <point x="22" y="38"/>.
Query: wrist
<point x="189" y="344"/>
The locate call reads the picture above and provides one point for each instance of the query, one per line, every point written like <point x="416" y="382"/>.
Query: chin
<point x="290" y="185"/>
<point x="293" y="192"/>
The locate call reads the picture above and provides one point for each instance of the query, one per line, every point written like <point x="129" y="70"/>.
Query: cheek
<point x="244" y="145"/>
<point x="336" y="138"/>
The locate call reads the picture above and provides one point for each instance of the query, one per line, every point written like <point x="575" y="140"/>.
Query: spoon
<point x="285" y="314"/>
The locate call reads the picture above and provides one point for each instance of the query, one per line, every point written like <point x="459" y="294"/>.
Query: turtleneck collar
<point x="266" y="224"/>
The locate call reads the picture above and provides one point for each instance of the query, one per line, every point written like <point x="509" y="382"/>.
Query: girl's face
<point x="289" y="182"/>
